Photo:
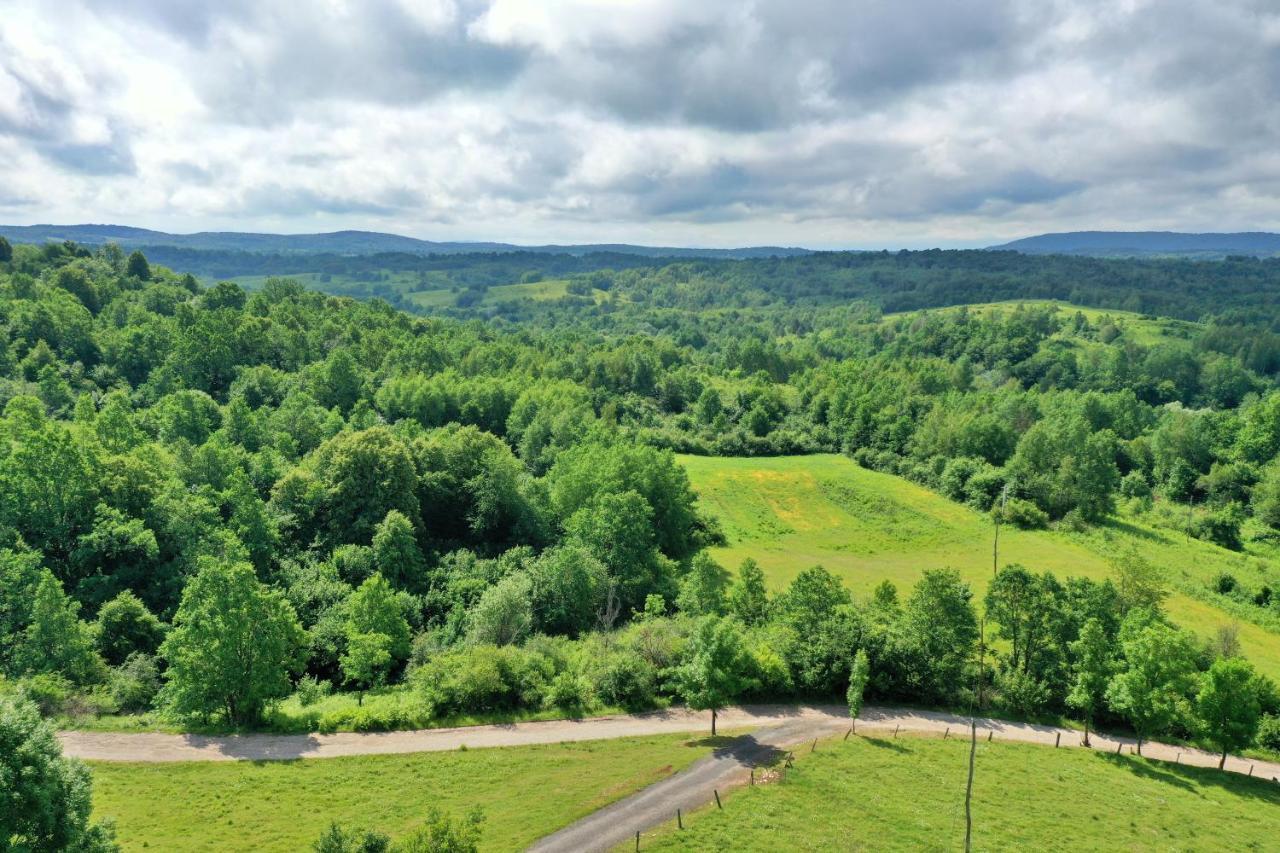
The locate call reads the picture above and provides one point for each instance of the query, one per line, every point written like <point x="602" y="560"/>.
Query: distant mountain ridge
<point x="347" y="243"/>
<point x="1140" y="243"/>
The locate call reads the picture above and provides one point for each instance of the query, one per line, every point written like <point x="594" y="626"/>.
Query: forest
<point x="214" y="499"/>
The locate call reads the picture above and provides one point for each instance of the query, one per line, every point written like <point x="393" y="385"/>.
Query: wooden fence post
<point x="814" y="748"/>
<point x="679" y="819"/>
<point x="753" y="777"/>
<point x="846" y="734"/>
<point x="1119" y="747"/>
<point x="717" y="793"/>
<point x="1057" y="740"/>
<point x="637" y="841"/>
<point x="990" y="734"/>
<point x="947" y="733"/>
<point x="895" y="730"/>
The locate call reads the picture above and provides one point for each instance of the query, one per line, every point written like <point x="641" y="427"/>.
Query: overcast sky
<point x="860" y="123"/>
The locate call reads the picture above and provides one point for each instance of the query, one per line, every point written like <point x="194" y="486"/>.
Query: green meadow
<point x="908" y="794"/>
<point x="525" y="792"/>
<point x="790" y="513"/>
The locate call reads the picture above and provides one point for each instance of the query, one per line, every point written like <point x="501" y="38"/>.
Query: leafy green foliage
<point x="44" y="798"/>
<point x="233" y="645"/>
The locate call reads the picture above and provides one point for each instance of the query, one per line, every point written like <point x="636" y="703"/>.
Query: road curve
<point x="727" y="767"/>
<point x="149" y="747"/>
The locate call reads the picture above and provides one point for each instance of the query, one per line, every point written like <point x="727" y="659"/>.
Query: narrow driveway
<point x="692" y="787"/>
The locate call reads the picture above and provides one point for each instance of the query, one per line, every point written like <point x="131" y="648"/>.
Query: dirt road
<point x="110" y="746"/>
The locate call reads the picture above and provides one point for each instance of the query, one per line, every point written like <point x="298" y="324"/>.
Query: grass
<point x="1139" y="328"/>
<point x="792" y="512"/>
<point x="526" y="793"/>
<point x="908" y="794"/>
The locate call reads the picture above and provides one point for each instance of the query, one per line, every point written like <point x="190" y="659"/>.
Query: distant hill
<point x="346" y="243"/>
<point x="1146" y="243"/>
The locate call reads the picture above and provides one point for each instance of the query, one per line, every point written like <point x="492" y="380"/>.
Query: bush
<point x="624" y="678"/>
<point x="1269" y="733"/>
<point x="311" y="690"/>
<point x="483" y="678"/>
<point x="1024" y="515"/>
<point x="1135" y="485"/>
<point x="51" y="692"/>
<point x="1221" y="527"/>
<point x="1225" y="583"/>
<point x="134" y="684"/>
<point x="567" y="691"/>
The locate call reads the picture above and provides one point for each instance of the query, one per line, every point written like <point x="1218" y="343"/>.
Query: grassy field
<point x="526" y="792"/>
<point x="790" y="513"/>
<point x="1139" y="328"/>
<point x="908" y="794"/>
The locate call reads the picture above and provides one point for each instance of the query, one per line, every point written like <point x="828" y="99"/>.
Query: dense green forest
<point x="214" y="499"/>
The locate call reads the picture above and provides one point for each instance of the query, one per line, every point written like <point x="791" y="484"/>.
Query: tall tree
<point x="716" y="668"/>
<point x="1228" y="706"/>
<point x="1159" y="668"/>
<point x="748" y="598"/>
<point x="233" y="645"/>
<point x="702" y="590"/>
<point x="1092" y="672"/>
<point x="56" y="640"/>
<point x="859" y="675"/>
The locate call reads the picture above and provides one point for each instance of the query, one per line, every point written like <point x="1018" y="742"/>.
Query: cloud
<point x="820" y="122"/>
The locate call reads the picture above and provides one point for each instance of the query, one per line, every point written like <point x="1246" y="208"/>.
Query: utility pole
<point x="973" y="733"/>
<point x="995" y="546"/>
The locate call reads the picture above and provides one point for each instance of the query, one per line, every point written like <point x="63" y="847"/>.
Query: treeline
<point x="494" y="512"/>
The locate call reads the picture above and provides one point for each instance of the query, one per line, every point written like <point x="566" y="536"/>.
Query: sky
<point x="820" y="123"/>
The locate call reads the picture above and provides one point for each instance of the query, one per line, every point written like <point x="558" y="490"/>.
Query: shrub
<point x="623" y="678"/>
<point x="134" y="684"/>
<point x="1024" y="515"/>
<point x="1135" y="485"/>
<point x="1221" y="527"/>
<point x="1269" y="733"/>
<point x="50" y="691"/>
<point x="311" y="690"/>
<point x="568" y="692"/>
<point x="1225" y="583"/>
<point x="482" y="678"/>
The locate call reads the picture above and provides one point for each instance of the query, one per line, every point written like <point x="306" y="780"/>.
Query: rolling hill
<point x="347" y="243"/>
<point x="792" y="512"/>
<point x="1140" y="243"/>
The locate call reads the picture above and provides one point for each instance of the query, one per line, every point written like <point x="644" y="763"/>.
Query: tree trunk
<point x="713" y="722"/>
<point x="1222" y="762"/>
<point x="1139" y="744"/>
<point x="1086" y="732"/>
<point x="360" y="699"/>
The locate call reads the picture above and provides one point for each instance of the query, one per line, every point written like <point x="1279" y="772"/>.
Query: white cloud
<point x="819" y="122"/>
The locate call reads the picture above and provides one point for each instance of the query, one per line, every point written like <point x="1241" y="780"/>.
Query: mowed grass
<point x="792" y="512"/>
<point x="525" y="792"/>
<point x="908" y="794"/>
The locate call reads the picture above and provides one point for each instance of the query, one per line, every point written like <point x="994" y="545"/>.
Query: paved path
<point x="146" y="747"/>
<point x="692" y="787"/>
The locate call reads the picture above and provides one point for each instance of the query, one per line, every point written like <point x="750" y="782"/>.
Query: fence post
<point x="990" y="734"/>
<point x="753" y="777"/>
<point x="1057" y="740"/>
<point x="1119" y="747"/>
<point x="846" y="734"/>
<point x="895" y="730"/>
<point x="679" y="819"/>
<point x="1178" y="760"/>
<point x="1250" y="769"/>
<point x="814" y="748"/>
<point x="947" y="733"/>
<point x="717" y="793"/>
<point x="637" y="841"/>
